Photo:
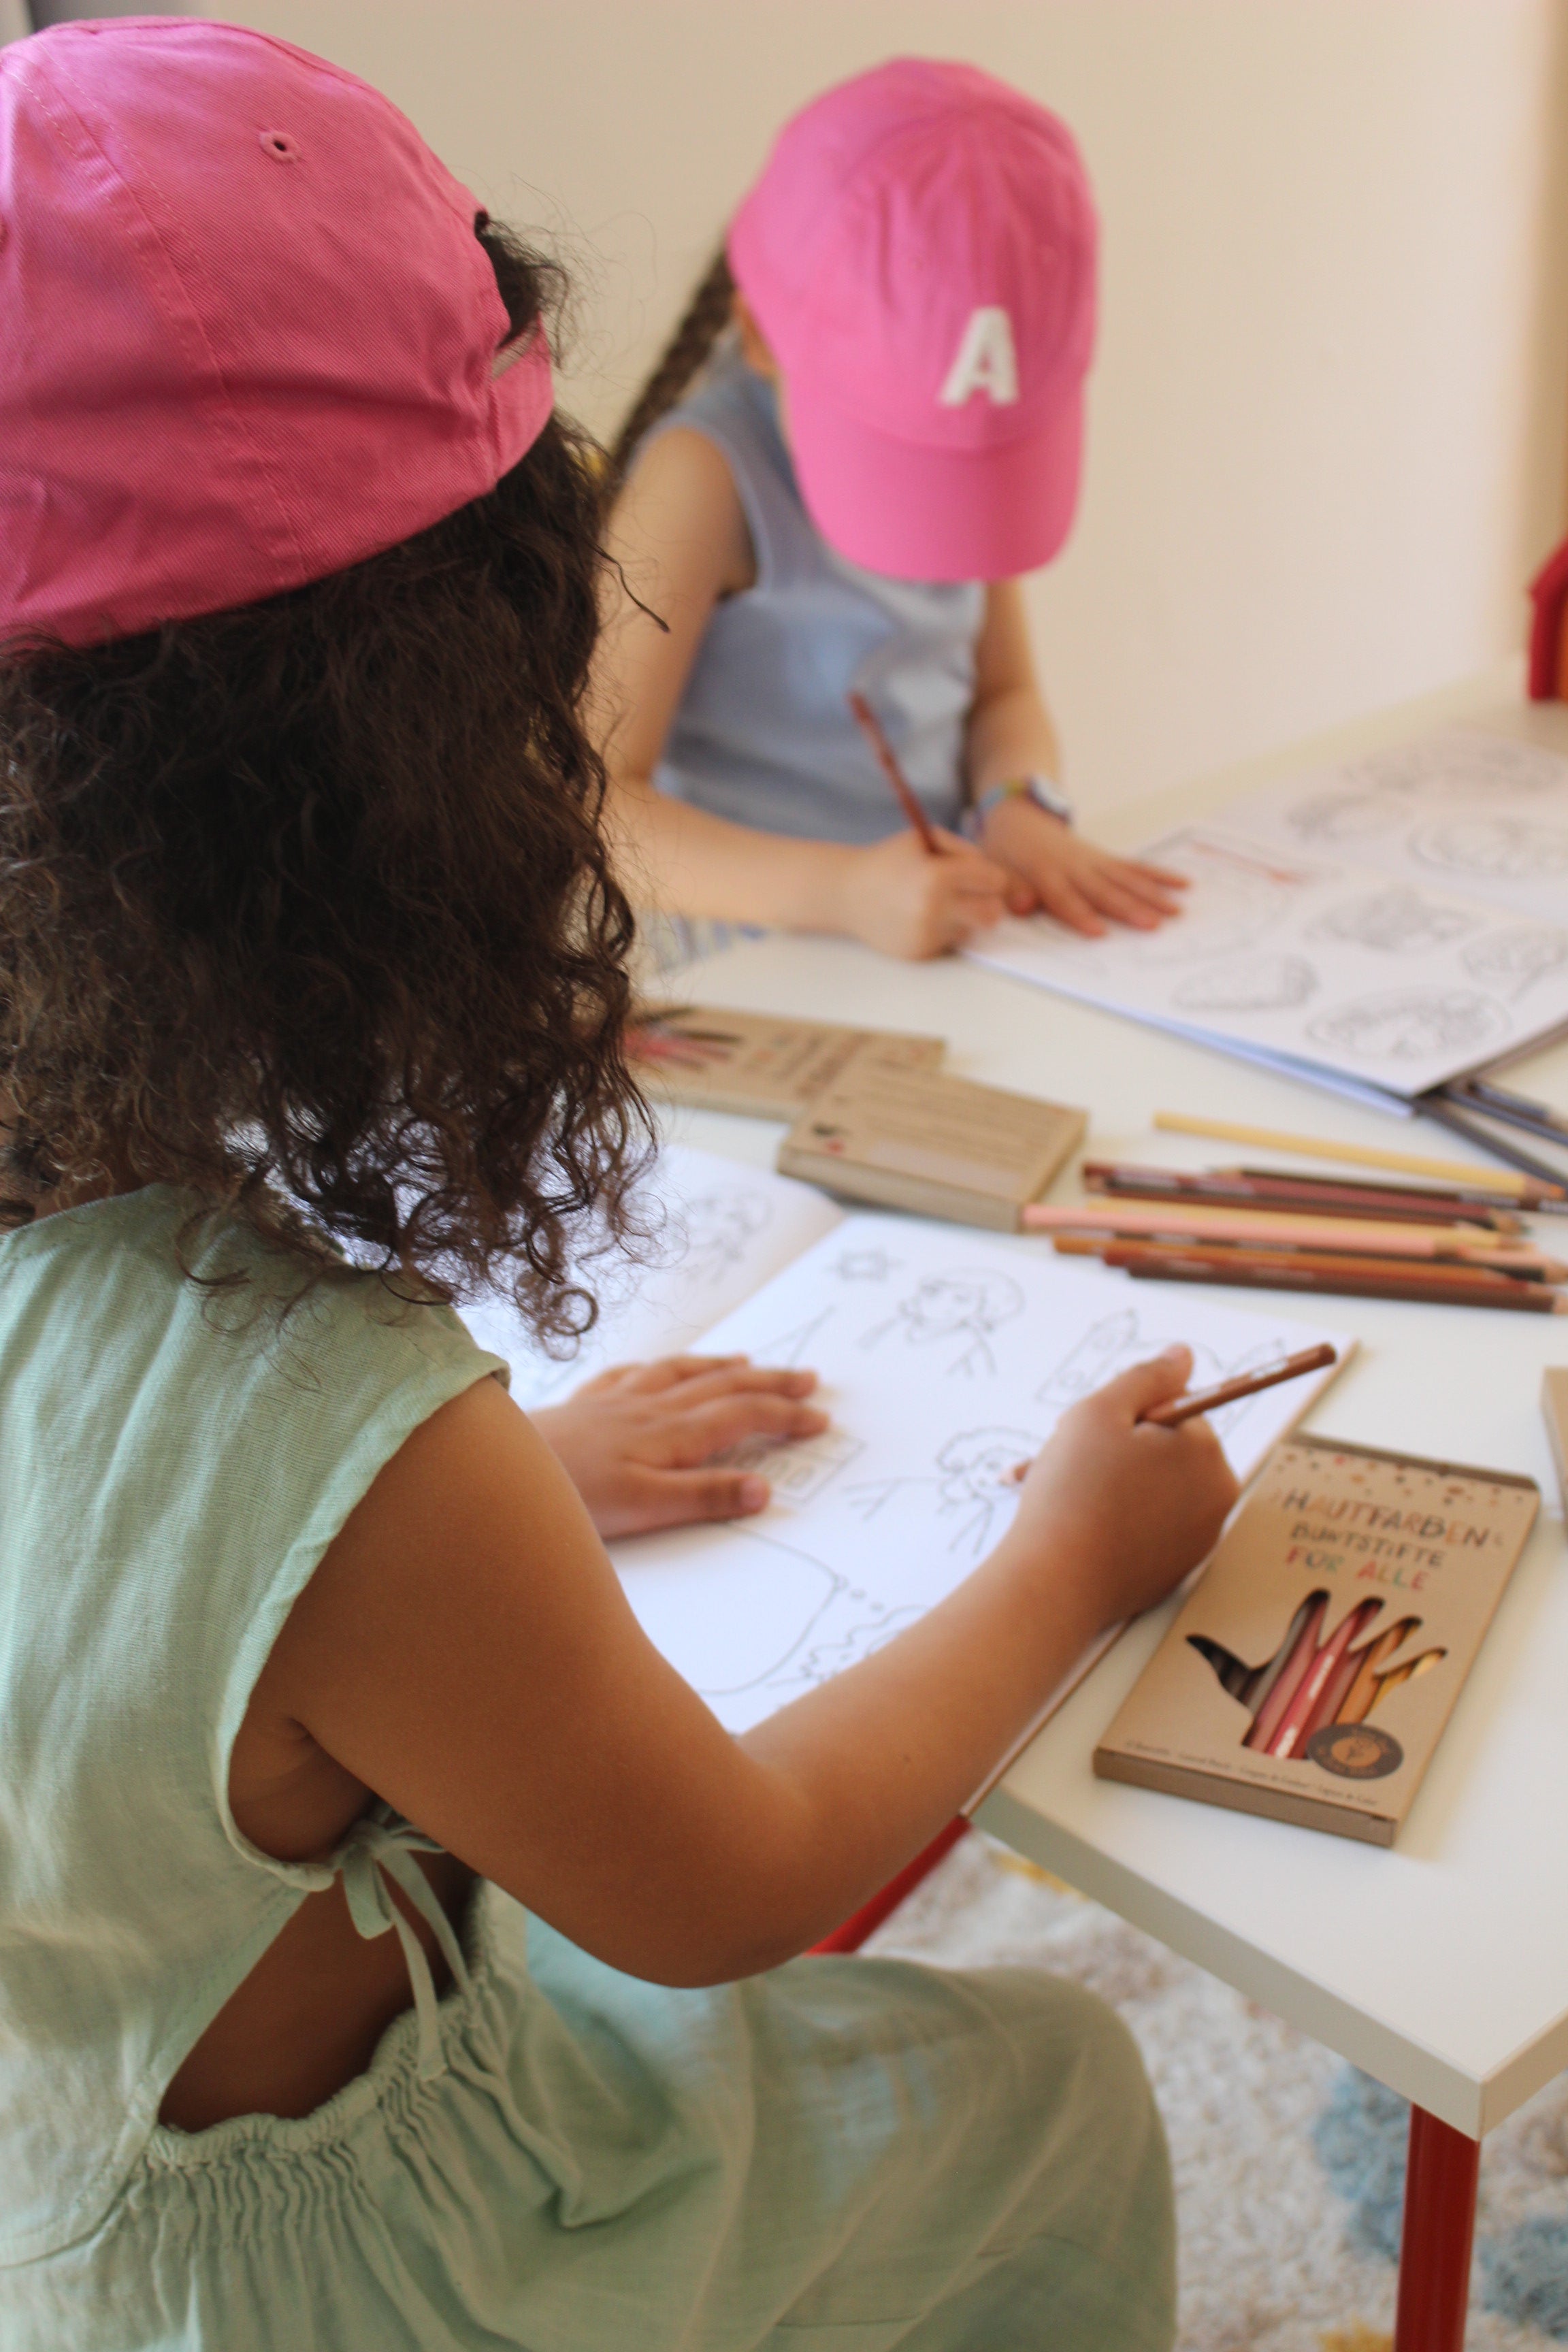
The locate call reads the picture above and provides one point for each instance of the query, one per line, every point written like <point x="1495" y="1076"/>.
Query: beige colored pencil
<point x="1370" y="1236"/>
<point x="1354" y="1155"/>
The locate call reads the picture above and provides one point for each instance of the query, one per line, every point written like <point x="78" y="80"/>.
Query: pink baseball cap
<point x="920" y="254"/>
<point x="247" y="334"/>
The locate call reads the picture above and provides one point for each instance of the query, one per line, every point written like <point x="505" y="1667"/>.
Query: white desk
<point x="1440" y="1967"/>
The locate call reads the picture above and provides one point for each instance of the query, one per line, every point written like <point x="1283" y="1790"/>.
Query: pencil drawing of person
<point x="963" y="1307"/>
<point x="716" y="1228"/>
<point x="973" y="1482"/>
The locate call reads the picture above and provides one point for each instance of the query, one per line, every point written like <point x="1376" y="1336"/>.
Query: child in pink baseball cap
<point x="398" y="1955"/>
<point x="891" y="351"/>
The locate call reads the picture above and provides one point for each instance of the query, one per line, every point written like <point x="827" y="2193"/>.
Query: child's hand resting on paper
<point x="1120" y="1510"/>
<point x="1065" y="876"/>
<point x="896" y="897"/>
<point x="639" y="1443"/>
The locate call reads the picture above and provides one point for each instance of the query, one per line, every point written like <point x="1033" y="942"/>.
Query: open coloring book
<point x="1384" y="926"/>
<point x="945" y="1358"/>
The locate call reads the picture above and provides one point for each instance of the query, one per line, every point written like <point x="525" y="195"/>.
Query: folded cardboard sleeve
<point x="1554" y="1405"/>
<point x="904" y="1138"/>
<point x="1311" y="1671"/>
<point x="757" y="1064"/>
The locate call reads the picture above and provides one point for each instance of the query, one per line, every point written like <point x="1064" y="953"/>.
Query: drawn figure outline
<point x="1397" y="922"/>
<point x="1493" y="848"/>
<point x="1512" y="961"/>
<point x="1235" y="901"/>
<point x="1255" y="984"/>
<point x="972" y="1481"/>
<point x="965" y="1307"/>
<point x="710" y="1232"/>
<point x="1409" y="1024"/>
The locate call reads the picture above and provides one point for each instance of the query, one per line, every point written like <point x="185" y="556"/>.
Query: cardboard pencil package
<point x="909" y="1138"/>
<point x="1554" y="1406"/>
<point x="757" y="1064"/>
<point x="1311" y="1670"/>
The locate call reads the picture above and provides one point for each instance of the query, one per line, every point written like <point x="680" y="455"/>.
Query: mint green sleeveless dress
<point x="838" y="2157"/>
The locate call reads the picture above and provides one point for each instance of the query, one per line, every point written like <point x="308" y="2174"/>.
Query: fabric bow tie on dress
<point x="378" y="1851"/>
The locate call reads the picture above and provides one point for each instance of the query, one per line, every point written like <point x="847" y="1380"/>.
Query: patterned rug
<point x="1290" y="2164"/>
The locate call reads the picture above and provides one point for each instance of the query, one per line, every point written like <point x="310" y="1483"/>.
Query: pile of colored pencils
<point x="1266" y="1229"/>
<point x="1310" y="1681"/>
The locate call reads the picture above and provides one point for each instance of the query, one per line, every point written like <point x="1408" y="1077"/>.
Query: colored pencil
<point x="1461" y="1273"/>
<point x="1318" y="1195"/>
<point x="1457" y="1196"/>
<point x="887" y="759"/>
<point x="647" y="1046"/>
<point x="1159" y="1266"/>
<point x="1232" y="1671"/>
<point x="1260" y="1683"/>
<point x="1195" y="1221"/>
<point x="1396" y="1676"/>
<point x="1360" y="1155"/>
<point x="1336" y="1690"/>
<point x="1503" y="1103"/>
<point x="1176" y="1410"/>
<point x="1272" y="1713"/>
<point x="1291" y="1731"/>
<point x="1357" y="1697"/>
<point x="1459" y="1114"/>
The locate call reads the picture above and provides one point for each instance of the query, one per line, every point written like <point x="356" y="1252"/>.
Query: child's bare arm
<point x="1010" y="736"/>
<point x="679" y="536"/>
<point x="465" y="1651"/>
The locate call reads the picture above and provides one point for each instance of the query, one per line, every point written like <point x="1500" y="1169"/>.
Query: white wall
<point x="1330" y="405"/>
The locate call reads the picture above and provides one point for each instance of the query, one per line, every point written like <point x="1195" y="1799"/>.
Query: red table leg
<point x="1440" y="2226"/>
<point x="870" y="1915"/>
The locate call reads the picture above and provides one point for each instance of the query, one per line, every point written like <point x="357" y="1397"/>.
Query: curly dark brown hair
<point x="307" y="903"/>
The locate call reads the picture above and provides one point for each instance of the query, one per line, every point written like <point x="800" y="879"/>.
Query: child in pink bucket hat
<point x="886" y="430"/>
<point x="397" y="1955"/>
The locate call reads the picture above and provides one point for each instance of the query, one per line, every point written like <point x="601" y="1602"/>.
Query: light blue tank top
<point x="764" y="734"/>
<point x="171" y="1467"/>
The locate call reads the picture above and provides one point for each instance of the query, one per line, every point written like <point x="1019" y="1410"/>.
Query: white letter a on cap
<point x="986" y="362"/>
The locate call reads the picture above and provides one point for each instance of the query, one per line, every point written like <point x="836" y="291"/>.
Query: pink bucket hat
<point x="248" y="335"/>
<point x="920" y="254"/>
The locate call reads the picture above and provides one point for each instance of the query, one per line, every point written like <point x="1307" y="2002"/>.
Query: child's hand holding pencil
<point x="924" y="892"/>
<point x="1119" y="1502"/>
<point x="914" y="902"/>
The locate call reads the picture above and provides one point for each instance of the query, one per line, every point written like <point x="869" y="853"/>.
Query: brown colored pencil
<point x="1255" y="1189"/>
<point x="1251" y="1273"/>
<point x="1176" y="1410"/>
<point x="1463" y="1274"/>
<point x="888" y="761"/>
<point x="1184" y="1220"/>
<point x="1462" y="1198"/>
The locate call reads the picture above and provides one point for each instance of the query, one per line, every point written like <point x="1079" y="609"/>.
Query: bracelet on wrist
<point x="1039" y="789"/>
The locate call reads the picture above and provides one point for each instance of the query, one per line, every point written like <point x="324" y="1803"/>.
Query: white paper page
<point x="727" y="1229"/>
<point x="1482" y="815"/>
<point x="945" y="1360"/>
<point x="1321" y="960"/>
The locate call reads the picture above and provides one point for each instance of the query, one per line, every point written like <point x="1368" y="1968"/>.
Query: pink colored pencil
<point x="1363" y="1236"/>
<point x="1292" y="1730"/>
<point x="1272" y="1712"/>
